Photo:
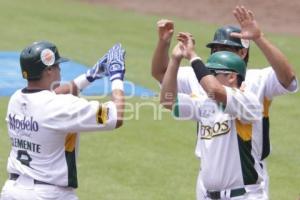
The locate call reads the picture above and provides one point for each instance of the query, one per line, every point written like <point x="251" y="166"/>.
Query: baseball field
<point x="152" y="156"/>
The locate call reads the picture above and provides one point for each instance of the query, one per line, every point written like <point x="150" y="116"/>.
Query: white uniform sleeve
<point x="187" y="82"/>
<point x="189" y="107"/>
<point x="244" y="106"/>
<point x="79" y="115"/>
<point x="272" y="86"/>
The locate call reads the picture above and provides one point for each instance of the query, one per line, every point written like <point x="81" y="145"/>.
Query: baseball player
<point x="224" y="120"/>
<point x="266" y="83"/>
<point x="42" y="125"/>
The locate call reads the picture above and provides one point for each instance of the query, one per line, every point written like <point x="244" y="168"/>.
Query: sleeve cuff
<point x="81" y="82"/>
<point x="195" y="58"/>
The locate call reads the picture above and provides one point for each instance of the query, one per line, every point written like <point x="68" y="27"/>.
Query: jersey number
<point x="24" y="157"/>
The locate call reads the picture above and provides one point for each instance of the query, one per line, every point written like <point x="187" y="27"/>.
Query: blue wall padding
<point x="11" y="78"/>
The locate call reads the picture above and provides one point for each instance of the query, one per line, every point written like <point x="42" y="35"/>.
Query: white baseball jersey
<point x="262" y="82"/>
<point x="265" y="85"/>
<point x="224" y="137"/>
<point x="42" y="128"/>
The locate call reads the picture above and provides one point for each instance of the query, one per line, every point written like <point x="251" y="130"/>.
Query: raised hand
<point x="98" y="71"/>
<point x="249" y="27"/>
<point x="116" y="62"/>
<point x="165" y="30"/>
<point x="187" y="45"/>
<point x="177" y="52"/>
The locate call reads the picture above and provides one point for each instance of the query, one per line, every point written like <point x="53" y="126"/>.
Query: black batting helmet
<point x="38" y="56"/>
<point x="222" y="37"/>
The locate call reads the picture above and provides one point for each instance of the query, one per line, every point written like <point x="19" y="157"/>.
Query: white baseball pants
<point x="24" y="189"/>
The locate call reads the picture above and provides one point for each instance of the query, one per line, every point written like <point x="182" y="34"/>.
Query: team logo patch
<point x="102" y="114"/>
<point x="245" y="43"/>
<point x="25" y="74"/>
<point x="47" y="57"/>
<point x="23" y="124"/>
<point x="219" y="128"/>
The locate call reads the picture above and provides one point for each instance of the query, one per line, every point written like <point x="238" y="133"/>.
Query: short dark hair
<point x="240" y="80"/>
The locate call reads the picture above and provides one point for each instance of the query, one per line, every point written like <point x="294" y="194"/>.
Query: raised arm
<point x="168" y="92"/>
<point x="210" y="84"/>
<point x="69" y="88"/>
<point x="98" y="71"/>
<point x="160" y="57"/>
<point x="116" y="71"/>
<point x="119" y="100"/>
<point x="250" y="30"/>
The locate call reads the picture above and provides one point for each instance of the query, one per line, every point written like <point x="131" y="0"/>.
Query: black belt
<point x="16" y="176"/>
<point x="233" y="193"/>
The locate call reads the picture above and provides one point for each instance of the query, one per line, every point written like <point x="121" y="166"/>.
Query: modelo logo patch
<point x="23" y="124"/>
<point x="47" y="57"/>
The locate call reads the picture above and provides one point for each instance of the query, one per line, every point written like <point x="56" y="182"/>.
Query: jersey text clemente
<point x="23" y="144"/>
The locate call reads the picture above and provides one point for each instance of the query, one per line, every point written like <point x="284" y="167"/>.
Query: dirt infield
<point x="278" y="16"/>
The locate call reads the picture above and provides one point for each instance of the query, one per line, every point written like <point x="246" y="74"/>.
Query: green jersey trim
<point x="176" y="108"/>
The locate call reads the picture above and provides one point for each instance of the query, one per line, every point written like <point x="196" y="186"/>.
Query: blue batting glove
<point x="99" y="70"/>
<point x="116" y="62"/>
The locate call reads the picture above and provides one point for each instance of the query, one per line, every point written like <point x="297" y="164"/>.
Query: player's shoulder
<point x="243" y="102"/>
<point x="257" y="76"/>
<point x="256" y="72"/>
<point x="67" y="98"/>
<point x="64" y="104"/>
<point x="50" y="96"/>
<point x="243" y="95"/>
<point x="16" y="94"/>
<point x="34" y="95"/>
<point x="14" y="98"/>
<point x="185" y="72"/>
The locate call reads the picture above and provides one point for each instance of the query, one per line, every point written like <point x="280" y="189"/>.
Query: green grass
<point x="146" y="159"/>
<point x="143" y="160"/>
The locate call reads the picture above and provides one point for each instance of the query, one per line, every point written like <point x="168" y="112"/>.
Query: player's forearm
<point x="214" y="89"/>
<point x="209" y="83"/>
<point x="277" y="60"/>
<point x="119" y="100"/>
<point x="78" y="84"/>
<point x="69" y="88"/>
<point x="169" y="84"/>
<point x="160" y="60"/>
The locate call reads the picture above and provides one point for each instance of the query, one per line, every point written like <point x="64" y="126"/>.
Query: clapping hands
<point x="98" y="71"/>
<point x="185" y="47"/>
<point x="112" y="64"/>
<point x="116" y="62"/>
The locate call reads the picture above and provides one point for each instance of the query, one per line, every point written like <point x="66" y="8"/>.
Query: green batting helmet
<point x="222" y="37"/>
<point x="38" y="56"/>
<point x="227" y="61"/>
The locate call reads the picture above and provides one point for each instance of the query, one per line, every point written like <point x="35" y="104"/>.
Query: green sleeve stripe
<point x="176" y="108"/>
